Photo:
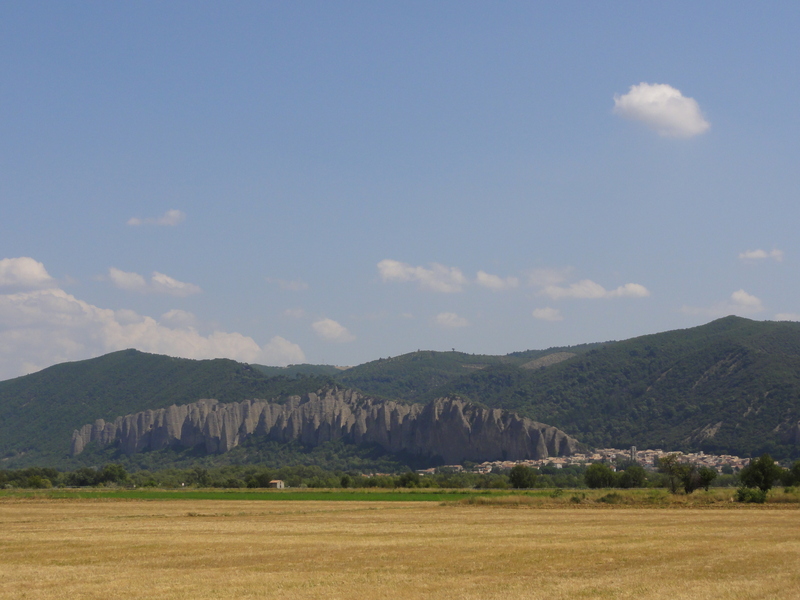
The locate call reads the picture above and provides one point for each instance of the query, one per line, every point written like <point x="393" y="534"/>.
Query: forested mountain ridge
<point x="417" y="375"/>
<point x="39" y="412"/>
<point x="730" y="386"/>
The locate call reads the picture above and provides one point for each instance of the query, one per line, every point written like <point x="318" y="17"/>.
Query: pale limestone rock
<point x="447" y="428"/>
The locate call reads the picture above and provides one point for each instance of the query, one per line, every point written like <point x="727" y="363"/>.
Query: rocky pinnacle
<point x="447" y="428"/>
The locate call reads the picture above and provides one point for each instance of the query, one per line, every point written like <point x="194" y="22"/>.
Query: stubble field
<point x="196" y="549"/>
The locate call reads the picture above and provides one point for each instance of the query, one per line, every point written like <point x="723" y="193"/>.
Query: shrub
<point x="612" y="498"/>
<point x="522" y="477"/>
<point x="633" y="477"/>
<point x="761" y="473"/>
<point x="408" y="479"/>
<point x="599" y="475"/>
<point x="754" y="495"/>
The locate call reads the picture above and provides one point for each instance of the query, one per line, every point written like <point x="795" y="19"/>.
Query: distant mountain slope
<point x="298" y="370"/>
<point x="414" y="376"/>
<point x="732" y="385"/>
<point x="39" y="412"/>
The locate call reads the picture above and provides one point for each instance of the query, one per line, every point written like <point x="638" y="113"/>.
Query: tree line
<point x="754" y="480"/>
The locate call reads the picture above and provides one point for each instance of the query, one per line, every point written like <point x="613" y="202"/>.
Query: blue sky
<point x="337" y="182"/>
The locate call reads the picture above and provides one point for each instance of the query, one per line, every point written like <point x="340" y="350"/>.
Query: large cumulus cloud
<point x="41" y="326"/>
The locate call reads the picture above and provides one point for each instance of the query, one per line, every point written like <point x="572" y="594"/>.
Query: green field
<point x="336" y="495"/>
<point x="545" y="498"/>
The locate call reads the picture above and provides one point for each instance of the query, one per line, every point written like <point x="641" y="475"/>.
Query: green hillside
<point x="413" y="377"/>
<point x="731" y="386"/>
<point x="298" y="370"/>
<point x="39" y="412"/>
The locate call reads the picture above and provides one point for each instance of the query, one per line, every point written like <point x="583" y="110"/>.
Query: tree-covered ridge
<point x="732" y="386"/>
<point x="39" y="412"/>
<point x="415" y="376"/>
<point x="298" y="370"/>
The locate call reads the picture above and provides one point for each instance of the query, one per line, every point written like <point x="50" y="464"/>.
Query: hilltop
<point x="39" y="412"/>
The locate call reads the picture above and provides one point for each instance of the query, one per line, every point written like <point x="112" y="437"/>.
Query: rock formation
<point x="449" y="429"/>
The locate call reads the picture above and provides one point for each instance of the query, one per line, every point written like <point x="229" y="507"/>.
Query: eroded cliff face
<point x="447" y="428"/>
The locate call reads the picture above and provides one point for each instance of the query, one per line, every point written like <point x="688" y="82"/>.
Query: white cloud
<point x="132" y="282"/>
<point x="280" y="351"/>
<point x="330" y="330"/>
<point x="294" y="313"/>
<point x="787" y="317"/>
<point x="39" y="328"/>
<point x="753" y="255"/>
<point x="168" y="219"/>
<point x="662" y="108"/>
<point x="547" y="314"/>
<point x="178" y="318"/>
<point x="494" y="282"/>
<point x="547" y="277"/>
<point x="438" y="278"/>
<point x="159" y="283"/>
<point x="23" y="273"/>
<point x="291" y="286"/>
<point x="740" y="303"/>
<point x="451" y="320"/>
<point x="587" y="288"/>
<point x="164" y="284"/>
<point x="629" y="290"/>
<point x="746" y="301"/>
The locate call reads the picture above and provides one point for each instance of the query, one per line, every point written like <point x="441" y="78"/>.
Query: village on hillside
<point x="646" y="458"/>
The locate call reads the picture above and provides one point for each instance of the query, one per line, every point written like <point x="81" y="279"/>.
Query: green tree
<point x="669" y="466"/>
<point x="791" y="476"/>
<point x="634" y="476"/>
<point x="761" y="473"/>
<point x="707" y="475"/>
<point x="408" y="479"/>
<point x="599" y="475"/>
<point x="112" y="473"/>
<point x="522" y="477"/>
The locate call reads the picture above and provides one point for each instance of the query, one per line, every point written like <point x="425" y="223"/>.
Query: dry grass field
<point x="198" y="549"/>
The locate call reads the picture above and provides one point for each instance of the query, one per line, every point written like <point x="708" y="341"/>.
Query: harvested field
<point x="179" y="549"/>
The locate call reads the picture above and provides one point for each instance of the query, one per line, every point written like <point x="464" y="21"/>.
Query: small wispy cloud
<point x="547" y="314"/>
<point x="330" y="330"/>
<point x="587" y="288"/>
<point x="740" y="303"/>
<point x="294" y="285"/>
<point x="177" y="319"/>
<point x="662" y="108"/>
<point x="437" y="278"/>
<point x="787" y="317"/>
<point x="294" y="313"/>
<point x="742" y="299"/>
<point x="548" y="277"/>
<point x="756" y="255"/>
<point x="495" y="282"/>
<point x="159" y="283"/>
<point x="450" y="320"/>
<point x="168" y="219"/>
